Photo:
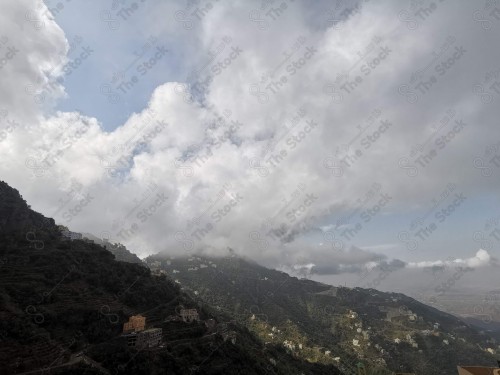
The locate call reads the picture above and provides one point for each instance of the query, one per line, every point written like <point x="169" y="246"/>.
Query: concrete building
<point x="131" y="339"/>
<point x="145" y="339"/>
<point x="136" y="323"/>
<point x="149" y="338"/>
<point x="71" y="235"/>
<point x="189" y="315"/>
<point x="391" y="313"/>
<point x="477" y="370"/>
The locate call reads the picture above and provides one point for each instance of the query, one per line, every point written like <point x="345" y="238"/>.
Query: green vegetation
<point x="63" y="304"/>
<point x="334" y="326"/>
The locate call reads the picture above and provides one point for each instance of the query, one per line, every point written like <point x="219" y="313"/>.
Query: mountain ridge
<point x="63" y="304"/>
<point x="345" y="322"/>
<point x="61" y="298"/>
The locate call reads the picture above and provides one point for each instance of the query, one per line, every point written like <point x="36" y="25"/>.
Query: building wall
<point x="135" y="323"/>
<point x="149" y="338"/>
<point x="189" y="315"/>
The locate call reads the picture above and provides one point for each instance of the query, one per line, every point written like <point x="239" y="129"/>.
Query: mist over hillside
<point x="249" y="187"/>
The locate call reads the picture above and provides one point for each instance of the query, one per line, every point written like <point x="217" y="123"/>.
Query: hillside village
<point x="373" y="329"/>
<point x="137" y="333"/>
<point x="408" y="327"/>
<point x="217" y="311"/>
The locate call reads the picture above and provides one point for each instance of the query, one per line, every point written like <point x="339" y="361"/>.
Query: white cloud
<point x="481" y="259"/>
<point x="176" y="147"/>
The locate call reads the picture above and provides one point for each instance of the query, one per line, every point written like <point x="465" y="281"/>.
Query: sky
<point x="331" y="140"/>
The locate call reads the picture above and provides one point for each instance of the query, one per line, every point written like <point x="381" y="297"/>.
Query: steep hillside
<point x="63" y="304"/>
<point x="331" y="325"/>
<point x="120" y="251"/>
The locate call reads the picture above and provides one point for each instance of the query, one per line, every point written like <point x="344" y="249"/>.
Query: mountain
<point x="63" y="304"/>
<point x="120" y="251"/>
<point x="478" y="307"/>
<point x="331" y="325"/>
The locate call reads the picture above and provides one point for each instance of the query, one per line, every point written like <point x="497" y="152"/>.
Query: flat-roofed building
<point x="478" y="370"/>
<point x="189" y="315"/>
<point x="136" y="323"/>
<point x="71" y="235"/>
<point x="149" y="338"/>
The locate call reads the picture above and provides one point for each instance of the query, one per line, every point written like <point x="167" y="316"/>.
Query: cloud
<point x="357" y="261"/>
<point x="481" y="259"/>
<point x="33" y="51"/>
<point x="243" y="151"/>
